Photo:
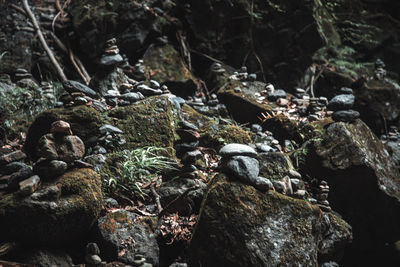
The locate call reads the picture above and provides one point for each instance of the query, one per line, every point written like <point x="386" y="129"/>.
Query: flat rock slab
<point x="236" y="150"/>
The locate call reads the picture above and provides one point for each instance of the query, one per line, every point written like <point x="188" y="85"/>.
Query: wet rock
<point x="11" y="157"/>
<point x="245" y="218"/>
<point x="111" y="60"/>
<point x="148" y="91"/>
<point x="120" y="238"/>
<point x="345" y="115"/>
<point x="341" y="102"/>
<point x="132" y="97"/>
<point x="244" y="168"/>
<point x="236" y="150"/>
<point x="73" y="86"/>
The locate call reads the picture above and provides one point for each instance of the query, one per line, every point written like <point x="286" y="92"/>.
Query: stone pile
<point x="110" y="138"/>
<point x="57" y="150"/>
<point x="186" y="147"/>
<point x="379" y="72"/>
<point x="92" y="257"/>
<point x="264" y="141"/>
<point x="322" y="196"/>
<point x="241" y="161"/>
<point x="24" y="79"/>
<point x="211" y="107"/>
<point x="111" y="56"/>
<point x="16" y="175"/>
<point x="341" y="106"/>
<point x="48" y="91"/>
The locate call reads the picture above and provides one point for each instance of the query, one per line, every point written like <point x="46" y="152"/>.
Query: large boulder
<point x="61" y="211"/>
<point x="168" y="67"/>
<point x="364" y="186"/>
<point x="241" y="226"/>
<point x="244" y="99"/>
<point x="120" y="238"/>
<point x="149" y="122"/>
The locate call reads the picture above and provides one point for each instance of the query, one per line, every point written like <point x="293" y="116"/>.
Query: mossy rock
<point x="53" y="221"/>
<point x="364" y="183"/>
<point x="212" y="133"/>
<point x="150" y="122"/>
<point x="85" y="123"/>
<point x="168" y="67"/>
<point x="241" y="226"/>
<point x="236" y="103"/>
<point x="274" y="165"/>
<point x="284" y="128"/>
<point x="120" y="235"/>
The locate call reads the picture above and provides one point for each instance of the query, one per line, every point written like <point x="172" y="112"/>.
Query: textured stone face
<point x="63" y="214"/>
<point x="60" y="127"/>
<point x="242" y="226"/>
<point x="364" y="183"/>
<point x="66" y="148"/>
<point x="341" y="102"/>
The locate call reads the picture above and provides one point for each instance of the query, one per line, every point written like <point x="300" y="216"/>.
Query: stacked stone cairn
<point x="211" y="107"/>
<point x="341" y="106"/>
<point x="322" y="196"/>
<point x="16" y="175"/>
<point x="241" y="161"/>
<point x="264" y="141"/>
<point x="58" y="150"/>
<point x="111" y="56"/>
<point x="379" y="72"/>
<point x="24" y="79"/>
<point x="92" y="257"/>
<point x="186" y="148"/>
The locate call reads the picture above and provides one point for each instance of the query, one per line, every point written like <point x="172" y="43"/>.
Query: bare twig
<point x="60" y="11"/>
<point x="43" y="41"/>
<point x="157" y="198"/>
<point x="206" y="56"/>
<point x="17" y="8"/>
<point x="76" y="62"/>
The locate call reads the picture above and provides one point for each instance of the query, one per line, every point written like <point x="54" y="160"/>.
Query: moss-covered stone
<point x="274" y="165"/>
<point x="363" y="180"/>
<point x="213" y="134"/>
<point x="53" y="221"/>
<point x="149" y="122"/>
<point x="85" y="123"/>
<point x="237" y="103"/>
<point x="241" y="226"/>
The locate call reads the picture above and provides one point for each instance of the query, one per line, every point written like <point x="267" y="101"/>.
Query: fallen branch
<point x="43" y="41"/>
<point x="156" y="197"/>
<point x="17" y="8"/>
<point x="76" y="62"/>
<point x="206" y="56"/>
